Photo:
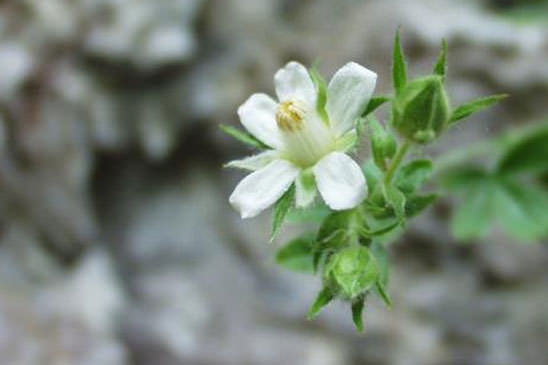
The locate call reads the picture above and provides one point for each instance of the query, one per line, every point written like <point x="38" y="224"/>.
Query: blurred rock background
<point x="117" y="244"/>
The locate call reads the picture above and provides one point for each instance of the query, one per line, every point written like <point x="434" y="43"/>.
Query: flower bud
<point x="421" y="111"/>
<point x="351" y="272"/>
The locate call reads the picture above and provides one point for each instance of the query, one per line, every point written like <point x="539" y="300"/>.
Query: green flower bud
<point x="351" y="272"/>
<point x="421" y="111"/>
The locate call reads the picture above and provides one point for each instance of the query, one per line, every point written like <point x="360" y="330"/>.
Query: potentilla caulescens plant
<point x="305" y="137"/>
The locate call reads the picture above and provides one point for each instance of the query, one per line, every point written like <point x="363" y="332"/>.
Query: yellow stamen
<point x="290" y="116"/>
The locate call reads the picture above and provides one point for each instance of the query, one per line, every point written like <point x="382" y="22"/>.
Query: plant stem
<point x="396" y="161"/>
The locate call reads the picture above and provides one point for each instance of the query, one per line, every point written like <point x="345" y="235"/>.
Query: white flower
<point x="305" y="148"/>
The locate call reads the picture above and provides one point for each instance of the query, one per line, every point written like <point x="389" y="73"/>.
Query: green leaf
<point x="463" y="178"/>
<point x="357" y="313"/>
<point x="441" y="65"/>
<point x="368" y="233"/>
<point x="297" y="255"/>
<point x="521" y="210"/>
<point x="475" y="106"/>
<point x="321" y="87"/>
<point x="324" y="298"/>
<point x="375" y="103"/>
<point x="280" y="211"/>
<point x="396" y="199"/>
<point x="416" y="204"/>
<point x="399" y="67"/>
<point x="529" y="154"/>
<point x="473" y="216"/>
<point x="334" y="222"/>
<point x="372" y="175"/>
<point x="243" y="137"/>
<point x="411" y="176"/>
<point x="381" y="255"/>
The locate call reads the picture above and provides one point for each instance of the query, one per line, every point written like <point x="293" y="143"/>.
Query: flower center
<point x="307" y="138"/>
<point x="290" y="115"/>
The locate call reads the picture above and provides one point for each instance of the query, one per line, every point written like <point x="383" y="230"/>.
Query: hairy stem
<point x="396" y="162"/>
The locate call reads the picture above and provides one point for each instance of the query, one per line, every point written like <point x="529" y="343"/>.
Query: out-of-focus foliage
<point x="506" y="192"/>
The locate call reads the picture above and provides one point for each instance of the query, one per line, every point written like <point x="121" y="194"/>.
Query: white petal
<point x="340" y="181"/>
<point x="255" y="162"/>
<point x="262" y="188"/>
<point x="305" y="189"/>
<point x="258" y="116"/>
<point x="348" y="94"/>
<point x="294" y="83"/>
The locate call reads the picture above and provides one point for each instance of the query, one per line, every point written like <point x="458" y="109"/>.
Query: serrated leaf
<point x="529" y="154"/>
<point x="321" y="87"/>
<point x="399" y="66"/>
<point x="475" y="106"/>
<point x="325" y="296"/>
<point x="281" y="209"/>
<point x="297" y="255"/>
<point x="441" y="65"/>
<point x="375" y="103"/>
<point x="357" y="313"/>
<point x="411" y="176"/>
<point x="416" y="204"/>
<point x="521" y="210"/>
<point x="243" y="137"/>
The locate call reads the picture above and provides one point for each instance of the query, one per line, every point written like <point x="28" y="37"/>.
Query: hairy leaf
<point x="475" y="106"/>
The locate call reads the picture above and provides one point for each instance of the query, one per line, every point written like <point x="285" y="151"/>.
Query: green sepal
<point x="313" y="214"/>
<point x="440" y="68"/>
<point x="281" y="208"/>
<point x="243" y="137"/>
<point x="399" y="66"/>
<point x="321" y="86"/>
<point x="357" y="313"/>
<point x="381" y="256"/>
<point x="297" y="255"/>
<point x="465" y="110"/>
<point x="325" y="296"/>
<point x="305" y="189"/>
<point x="375" y="103"/>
